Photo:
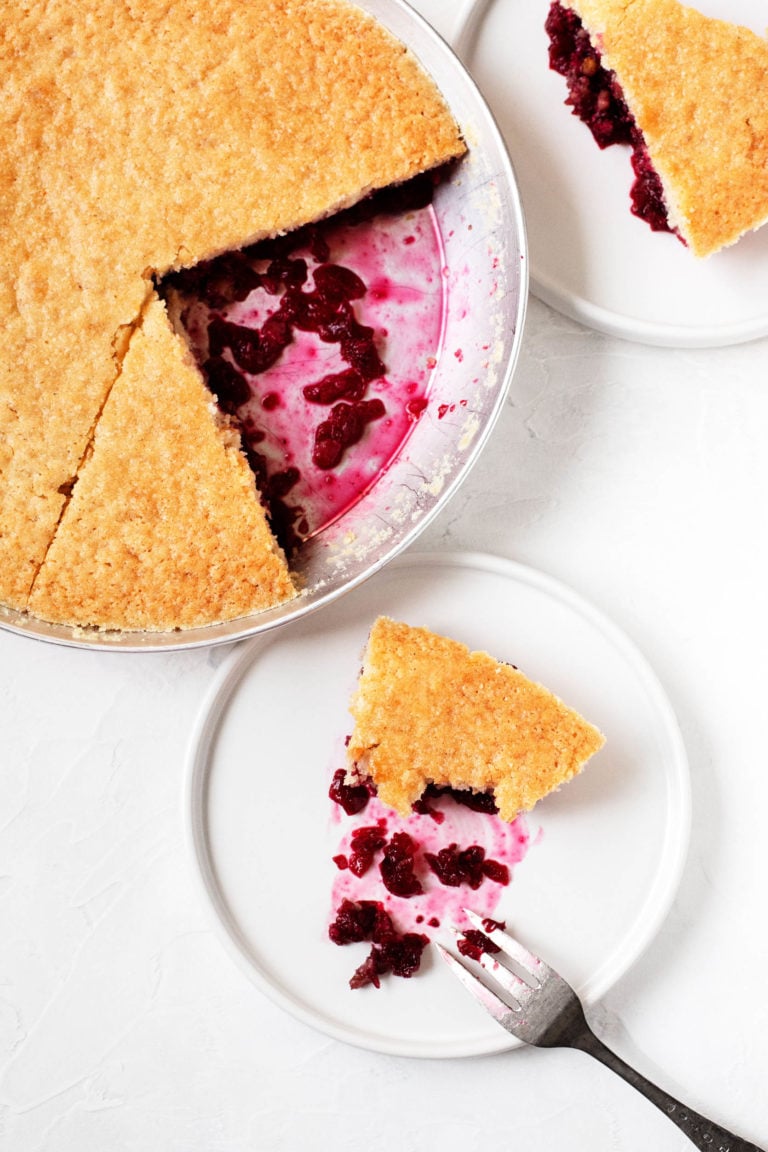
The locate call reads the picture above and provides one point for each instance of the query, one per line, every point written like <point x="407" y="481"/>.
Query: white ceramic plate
<point x="590" y="258"/>
<point x="606" y="851"/>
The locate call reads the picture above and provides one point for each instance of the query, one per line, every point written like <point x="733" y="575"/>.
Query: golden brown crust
<point x="698" y="88"/>
<point x="136" y="137"/>
<point x="427" y="710"/>
<point x="193" y="544"/>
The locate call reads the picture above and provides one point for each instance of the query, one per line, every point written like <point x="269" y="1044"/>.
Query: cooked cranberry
<point x="333" y="330"/>
<point x="397" y="866"/>
<point x="391" y="951"/>
<point x="402" y="957"/>
<point x="366" y="842"/>
<point x="368" y="410"/>
<point x="647" y="194"/>
<point x="454" y="866"/>
<point x="327" y="451"/>
<point x="593" y="92"/>
<point x="354" y="922"/>
<point x="359" y="351"/>
<point x="309" y="310"/>
<point x="423" y="808"/>
<point x="596" y="97"/>
<point x="344" y="427"/>
<point x="252" y="352"/>
<point x="490" y="925"/>
<point x="282" y="270"/>
<point x="408" y="197"/>
<point x="341" y="861"/>
<point x="367" y="973"/>
<point x="383" y="928"/>
<point x="496" y="871"/>
<point x="474" y="943"/>
<point x="275" y="335"/>
<point x="336" y="282"/>
<point x="351" y="797"/>
<point x="228" y="386"/>
<point x="347" y="385"/>
<point x="477" y="801"/>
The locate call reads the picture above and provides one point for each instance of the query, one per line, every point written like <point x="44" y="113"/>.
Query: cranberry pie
<point x="689" y="93"/>
<point x="427" y="711"/>
<point x="139" y="139"/>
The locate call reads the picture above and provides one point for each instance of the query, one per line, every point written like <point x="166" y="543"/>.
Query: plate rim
<point x="650" y="914"/>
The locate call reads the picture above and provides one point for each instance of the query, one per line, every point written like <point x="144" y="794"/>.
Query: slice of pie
<point x="137" y="139"/>
<point x="690" y="93"/>
<point x="427" y="710"/>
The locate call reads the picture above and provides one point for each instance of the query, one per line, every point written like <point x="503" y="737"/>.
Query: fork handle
<point x="706" y="1135"/>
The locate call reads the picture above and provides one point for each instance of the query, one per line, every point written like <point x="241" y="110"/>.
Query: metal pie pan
<point x="486" y="272"/>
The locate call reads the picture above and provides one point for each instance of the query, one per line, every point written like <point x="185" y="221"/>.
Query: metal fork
<point x="542" y="1009"/>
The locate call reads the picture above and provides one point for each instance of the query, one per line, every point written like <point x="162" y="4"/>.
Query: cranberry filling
<point x="474" y="943"/>
<point x="454" y="866"/>
<point x="397" y="867"/>
<point x="323" y="305"/>
<point x="366" y="842"/>
<point x="596" y="97"/>
<point x="392" y="951"/>
<point x="351" y="797"/>
<point x="477" y="801"/>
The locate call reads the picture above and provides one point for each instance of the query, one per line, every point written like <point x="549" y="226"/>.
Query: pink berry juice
<point x="322" y="346"/>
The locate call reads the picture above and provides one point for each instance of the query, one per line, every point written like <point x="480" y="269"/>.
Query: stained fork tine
<point x="503" y="1013"/>
<point x="512" y="984"/>
<point x="532" y="965"/>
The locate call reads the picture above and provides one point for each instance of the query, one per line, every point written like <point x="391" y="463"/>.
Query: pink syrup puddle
<point x="437" y="905"/>
<point x="400" y="259"/>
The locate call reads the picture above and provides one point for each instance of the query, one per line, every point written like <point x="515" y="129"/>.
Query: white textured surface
<point x="638" y="476"/>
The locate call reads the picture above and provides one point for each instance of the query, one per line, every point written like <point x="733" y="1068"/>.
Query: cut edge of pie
<point x="427" y="710"/>
<point x="696" y="88"/>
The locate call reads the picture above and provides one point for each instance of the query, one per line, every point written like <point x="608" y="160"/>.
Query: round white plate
<point x="606" y="851"/>
<point x="590" y="258"/>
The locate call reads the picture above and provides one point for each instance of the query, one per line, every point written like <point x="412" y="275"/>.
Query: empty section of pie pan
<point x="480" y="221"/>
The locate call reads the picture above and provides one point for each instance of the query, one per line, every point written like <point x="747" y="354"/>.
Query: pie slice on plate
<point x="427" y="710"/>
<point x="695" y="96"/>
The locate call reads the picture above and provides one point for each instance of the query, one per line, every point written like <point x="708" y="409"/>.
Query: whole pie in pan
<point x="689" y="93"/>
<point x="139" y="138"/>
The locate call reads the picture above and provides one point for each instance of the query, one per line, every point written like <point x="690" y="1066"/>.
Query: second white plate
<point x="590" y="258"/>
<point x="606" y="851"/>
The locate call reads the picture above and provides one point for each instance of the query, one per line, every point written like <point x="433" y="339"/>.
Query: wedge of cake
<point x="136" y="140"/>
<point x="427" y="710"/>
<point x="689" y="93"/>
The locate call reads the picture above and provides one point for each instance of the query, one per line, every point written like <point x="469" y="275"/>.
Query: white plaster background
<point x="639" y="476"/>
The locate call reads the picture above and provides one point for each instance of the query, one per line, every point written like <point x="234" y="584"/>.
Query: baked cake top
<point x="698" y="89"/>
<point x="194" y="545"/>
<point x="140" y="137"/>
<point x="427" y="710"/>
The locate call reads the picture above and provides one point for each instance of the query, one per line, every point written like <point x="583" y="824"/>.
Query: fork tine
<point x="509" y="980"/>
<point x="502" y="1012"/>
<point x="530" y="963"/>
